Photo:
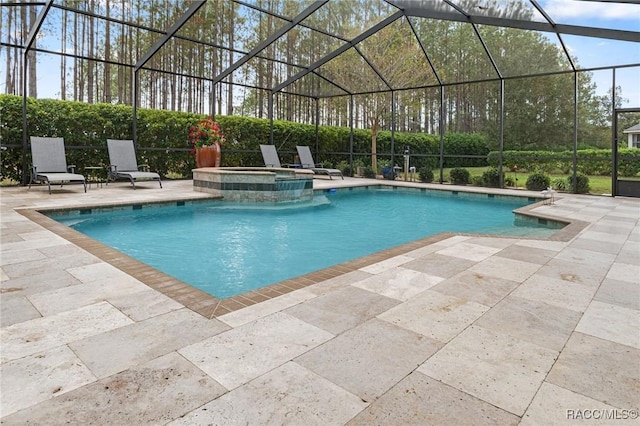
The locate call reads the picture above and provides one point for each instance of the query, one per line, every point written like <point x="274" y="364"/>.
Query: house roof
<point x="632" y="129"/>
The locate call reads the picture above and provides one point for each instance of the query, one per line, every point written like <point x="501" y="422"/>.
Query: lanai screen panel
<point x="261" y="72"/>
<point x="373" y="109"/>
<point x="185" y="57"/>
<point x="600" y="52"/>
<point x="15" y="22"/>
<point x="347" y="19"/>
<point x="312" y="84"/>
<point x="519" y="52"/>
<point x="303" y="46"/>
<point x="539" y="113"/>
<point x="456" y="52"/>
<point x="335" y="111"/>
<point x="628" y="79"/>
<point x="286" y="9"/>
<point x="112" y="38"/>
<point x="510" y="9"/>
<point x="351" y="72"/>
<point x="255" y="26"/>
<point x="451" y="34"/>
<point x="232" y="28"/>
<point x="396" y="54"/>
<point x="215" y="23"/>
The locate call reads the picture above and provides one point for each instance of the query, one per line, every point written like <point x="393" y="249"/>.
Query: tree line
<point x="424" y="60"/>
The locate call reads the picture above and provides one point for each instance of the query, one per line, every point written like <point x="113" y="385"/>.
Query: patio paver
<point x="421" y="400"/>
<point x="289" y="394"/>
<point x="463" y="329"/>
<point x="599" y="369"/>
<point x="369" y="359"/>
<point x="492" y="366"/>
<point x="154" y="392"/>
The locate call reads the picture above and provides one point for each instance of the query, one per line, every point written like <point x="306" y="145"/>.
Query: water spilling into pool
<point x="226" y="249"/>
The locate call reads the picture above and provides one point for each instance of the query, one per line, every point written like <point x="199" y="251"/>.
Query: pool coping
<point x="210" y="306"/>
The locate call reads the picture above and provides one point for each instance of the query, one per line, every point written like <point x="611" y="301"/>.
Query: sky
<point x="590" y="52"/>
<point x="595" y="53"/>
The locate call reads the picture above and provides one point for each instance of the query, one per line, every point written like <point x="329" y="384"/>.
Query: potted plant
<point x="205" y="138"/>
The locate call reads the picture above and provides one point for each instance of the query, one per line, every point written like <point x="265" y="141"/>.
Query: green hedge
<point x="590" y="161"/>
<point x="424" y="149"/>
<point x="163" y="138"/>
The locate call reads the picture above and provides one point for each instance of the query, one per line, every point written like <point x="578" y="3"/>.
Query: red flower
<point x="205" y="133"/>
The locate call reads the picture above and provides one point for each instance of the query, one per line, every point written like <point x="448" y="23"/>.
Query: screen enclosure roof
<point x="323" y="48"/>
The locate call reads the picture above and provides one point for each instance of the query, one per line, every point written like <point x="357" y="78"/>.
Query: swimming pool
<point x="227" y="249"/>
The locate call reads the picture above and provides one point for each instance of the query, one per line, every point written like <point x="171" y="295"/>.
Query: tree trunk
<point x="9" y="81"/>
<point x="231" y="29"/>
<point x="32" y="71"/>
<point x="107" y="55"/>
<point x="91" y="64"/>
<point x="76" y="71"/>
<point x="63" y="59"/>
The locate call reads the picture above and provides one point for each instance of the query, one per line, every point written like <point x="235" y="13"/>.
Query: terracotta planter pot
<point x="208" y="156"/>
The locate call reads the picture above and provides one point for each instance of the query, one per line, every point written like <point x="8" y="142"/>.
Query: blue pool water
<point x="228" y="249"/>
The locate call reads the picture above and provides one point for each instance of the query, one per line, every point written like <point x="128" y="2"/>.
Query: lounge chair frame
<point x="124" y="165"/>
<point x="271" y="158"/>
<point x="49" y="163"/>
<point x="306" y="161"/>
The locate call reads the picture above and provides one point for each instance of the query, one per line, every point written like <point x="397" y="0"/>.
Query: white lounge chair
<point x="306" y="160"/>
<point x="49" y="163"/>
<point x="123" y="163"/>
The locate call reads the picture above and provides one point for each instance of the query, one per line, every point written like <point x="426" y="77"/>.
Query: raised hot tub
<point x="255" y="184"/>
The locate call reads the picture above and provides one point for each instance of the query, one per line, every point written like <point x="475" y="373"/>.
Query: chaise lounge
<point x="49" y="163"/>
<point x="306" y="160"/>
<point x="123" y="163"/>
<point x="270" y="156"/>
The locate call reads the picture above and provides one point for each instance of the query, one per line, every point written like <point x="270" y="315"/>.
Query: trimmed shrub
<point x="426" y="175"/>
<point x="369" y="173"/>
<point x="345" y="168"/>
<point x="476" y="181"/>
<point x="459" y="176"/>
<point x="560" y="184"/>
<point x="465" y="144"/>
<point x="580" y="185"/>
<point x="538" y="181"/>
<point x="590" y="161"/>
<point x="491" y="178"/>
<point x="509" y="181"/>
<point x="628" y="161"/>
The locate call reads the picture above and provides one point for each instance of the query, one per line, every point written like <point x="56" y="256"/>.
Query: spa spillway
<point x="255" y="184"/>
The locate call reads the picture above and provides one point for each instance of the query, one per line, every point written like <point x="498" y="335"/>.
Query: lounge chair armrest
<point x="71" y="168"/>
<point x="143" y="167"/>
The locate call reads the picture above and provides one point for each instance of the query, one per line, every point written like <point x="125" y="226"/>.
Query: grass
<point x="9" y="182"/>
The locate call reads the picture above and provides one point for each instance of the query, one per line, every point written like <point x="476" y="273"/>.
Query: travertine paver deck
<point x="454" y="329"/>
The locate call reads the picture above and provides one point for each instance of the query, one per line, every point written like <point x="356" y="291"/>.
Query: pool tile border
<point x="212" y="307"/>
<point x="197" y="300"/>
